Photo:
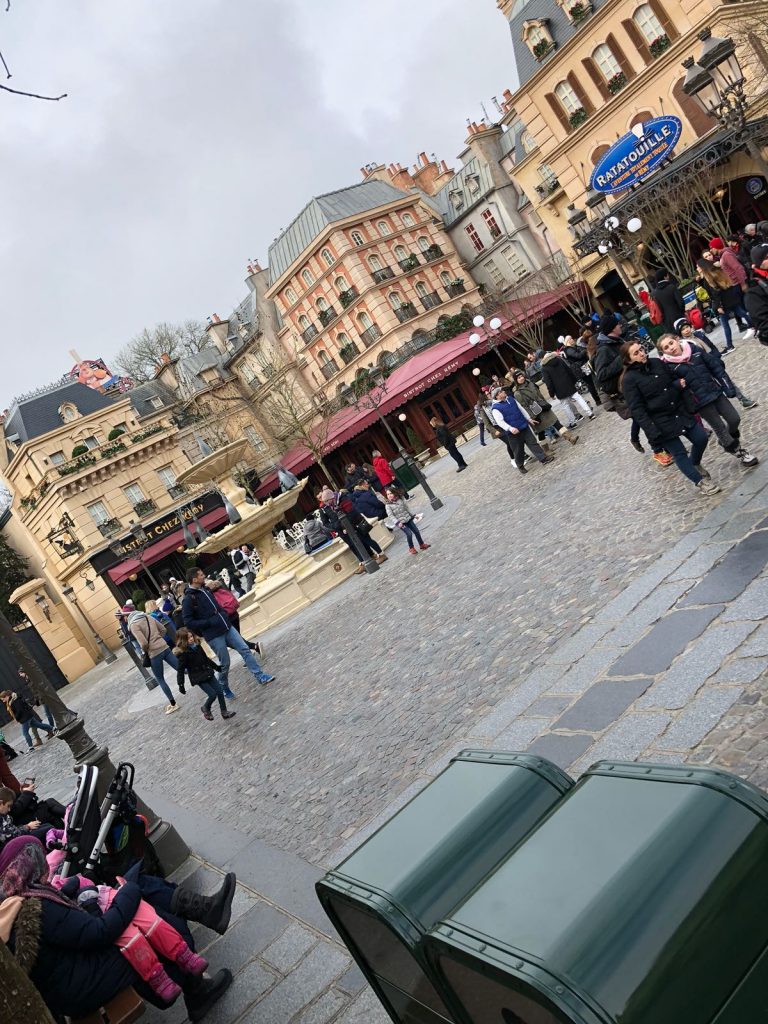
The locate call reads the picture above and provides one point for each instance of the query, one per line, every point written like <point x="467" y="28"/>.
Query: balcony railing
<point x="310" y="333"/>
<point x="348" y="352"/>
<point x="431" y="300"/>
<point x="410" y="262"/>
<point x="434" y="252"/>
<point x="455" y="288"/>
<point x="143" y="508"/>
<point x="110" y="527"/>
<point x="327" y="316"/>
<point x="348" y="297"/>
<point x="177" y="491"/>
<point x="371" y="335"/>
<point x="385" y="274"/>
<point x="329" y="369"/>
<point x="406" y="312"/>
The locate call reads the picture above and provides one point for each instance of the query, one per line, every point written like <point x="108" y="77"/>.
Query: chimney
<point x="215" y="318"/>
<point x="3" y="444"/>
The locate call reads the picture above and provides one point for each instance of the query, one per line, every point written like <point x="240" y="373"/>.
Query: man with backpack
<point x="756" y="295"/>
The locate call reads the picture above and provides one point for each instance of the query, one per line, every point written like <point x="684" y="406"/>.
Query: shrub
<point x="79" y="449"/>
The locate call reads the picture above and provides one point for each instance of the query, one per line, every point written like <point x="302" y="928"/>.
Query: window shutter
<point x="638" y="39"/>
<point x="597" y="78"/>
<point x="621" y="57"/>
<point x="557" y="107"/>
<point x="666" y="22"/>
<point x="575" y="84"/>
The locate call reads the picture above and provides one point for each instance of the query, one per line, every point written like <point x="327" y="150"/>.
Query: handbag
<point x="146" y="661"/>
<point x="536" y="409"/>
<point x="364" y="528"/>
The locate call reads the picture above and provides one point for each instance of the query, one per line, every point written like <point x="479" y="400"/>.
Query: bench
<point x="125" y="1008"/>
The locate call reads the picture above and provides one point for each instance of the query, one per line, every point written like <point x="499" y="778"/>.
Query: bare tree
<point x="22" y="92"/>
<point x="140" y="358"/>
<point x="525" y="309"/>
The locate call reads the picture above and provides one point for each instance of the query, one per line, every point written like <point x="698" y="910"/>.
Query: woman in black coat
<point x="656" y="401"/>
<point x="577" y="358"/>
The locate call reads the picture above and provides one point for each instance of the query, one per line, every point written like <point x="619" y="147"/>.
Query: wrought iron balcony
<point x="434" y="252"/>
<point x="329" y="369"/>
<point x="406" y="312"/>
<point x="348" y="297"/>
<point x="348" y="352"/>
<point x="326" y="316"/>
<point x="411" y="262"/>
<point x="385" y="274"/>
<point x="371" y="335"/>
<point x="455" y="288"/>
<point x="177" y="491"/>
<point x="143" y="508"/>
<point x="310" y="333"/>
<point x="431" y="300"/>
<point x="110" y="527"/>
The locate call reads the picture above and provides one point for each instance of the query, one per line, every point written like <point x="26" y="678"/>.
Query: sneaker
<point x="413" y="551"/>
<point x="171" y="708"/>
<point x="229" y="695"/>
<point x="728" y="351"/>
<point x="549" y="458"/>
<point x="258" y="646"/>
<point x="228" y="714"/>
<point x="381" y="558"/>
<point x="746" y="458"/>
<point x="265" y="678"/>
<point x="748" y="403"/>
<point x="592" y="416"/>
<point x="206" y="713"/>
<point x="749" y="333"/>
<point x="359" y="569"/>
<point x="425" y="546"/>
<point x="637" y="446"/>
<point x="663" y="458"/>
<point x="522" y="469"/>
<point x="707" y="488"/>
<point x="461" y="468"/>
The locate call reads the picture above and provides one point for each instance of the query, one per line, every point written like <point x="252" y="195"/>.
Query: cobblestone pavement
<point x="557" y="612"/>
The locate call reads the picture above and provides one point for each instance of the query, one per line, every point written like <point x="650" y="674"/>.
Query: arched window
<point x="446" y="278"/>
<point x="365" y="321"/>
<point x="605" y="60"/>
<point x="394" y="300"/>
<point x="342" y="339"/>
<point x="421" y="289"/>
<point x="648" y="23"/>
<point x="401" y="252"/>
<point x="357" y="238"/>
<point x="321" y="304"/>
<point x="323" y="357"/>
<point x="304" y="322"/>
<point x="307" y="277"/>
<point x="374" y="262"/>
<point x="424" y="243"/>
<point x="340" y="284"/>
<point x="290" y="295"/>
<point x="568" y="98"/>
<point x="536" y="34"/>
<point x="329" y="260"/>
<point x="384" y="228"/>
<point x="408" y="220"/>
<point x="598" y="154"/>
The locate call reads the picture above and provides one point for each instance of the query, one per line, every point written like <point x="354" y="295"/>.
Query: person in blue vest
<point x="515" y="428"/>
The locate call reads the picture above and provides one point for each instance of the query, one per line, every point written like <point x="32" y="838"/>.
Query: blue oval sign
<point x="634" y="156"/>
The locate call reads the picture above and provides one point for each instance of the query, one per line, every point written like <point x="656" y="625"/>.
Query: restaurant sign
<point x="630" y="160"/>
<point x="433" y="378"/>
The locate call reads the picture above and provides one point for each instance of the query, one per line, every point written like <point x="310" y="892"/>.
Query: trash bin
<point x="425" y="860"/>
<point x="642" y="899"/>
<point x="404" y="473"/>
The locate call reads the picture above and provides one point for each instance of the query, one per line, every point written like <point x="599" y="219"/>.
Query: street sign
<point x="636" y="155"/>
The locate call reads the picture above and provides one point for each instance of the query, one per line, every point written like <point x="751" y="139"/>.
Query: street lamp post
<point x="491" y="336"/>
<point x="717" y="83"/>
<point x="71" y="596"/>
<point x="611" y="233"/>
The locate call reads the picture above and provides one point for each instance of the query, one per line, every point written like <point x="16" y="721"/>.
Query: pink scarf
<point x="684" y="358"/>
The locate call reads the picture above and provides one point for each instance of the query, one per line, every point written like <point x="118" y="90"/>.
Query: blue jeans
<point x="37" y="724"/>
<point x="220" y="645"/>
<point x="156" y="664"/>
<point x="411" y="529"/>
<point x="688" y="464"/>
<point x="214" y="691"/>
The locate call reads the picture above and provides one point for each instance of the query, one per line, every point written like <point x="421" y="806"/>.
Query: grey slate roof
<point x="33" y="417"/>
<point x="189" y="368"/>
<point x="558" y="23"/>
<point x="141" y="397"/>
<point x="322" y="211"/>
<point x="465" y="188"/>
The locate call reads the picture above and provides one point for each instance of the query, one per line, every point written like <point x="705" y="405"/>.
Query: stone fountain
<point x="288" y="580"/>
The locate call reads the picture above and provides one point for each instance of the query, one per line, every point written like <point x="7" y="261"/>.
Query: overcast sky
<point x="193" y="132"/>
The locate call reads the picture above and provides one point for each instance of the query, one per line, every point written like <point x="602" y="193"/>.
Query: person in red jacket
<point x="386" y="474"/>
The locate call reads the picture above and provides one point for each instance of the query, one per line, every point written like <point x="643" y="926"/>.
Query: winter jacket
<point x="559" y="378"/>
<point x="19" y="710"/>
<point x="525" y="396"/>
<point x="576" y="358"/>
<point x="315" y="533"/>
<point x="655" y="400"/>
<point x="225" y="599"/>
<point x="703" y="374"/>
<point x="756" y="301"/>
<point x="78" y="967"/>
<point x="383" y="470"/>
<point x="357" y="474"/>
<point x="196" y="663"/>
<point x="608" y="363"/>
<point x="445" y="437"/>
<point x="671" y="303"/>
<point x="9" y="829"/>
<point x="148" y="632"/>
<point x="202" y="615"/>
<point x="329" y="514"/>
<point x="508" y="415"/>
<point x="399" y="510"/>
<point x="732" y="267"/>
<point x="368" y="504"/>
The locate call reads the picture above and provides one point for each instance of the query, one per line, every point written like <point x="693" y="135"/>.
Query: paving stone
<point x="602" y="704"/>
<point x="698" y="719"/>
<point x="581" y="675"/>
<point x="629" y="737"/>
<point x="668" y="638"/>
<point x="561" y="748"/>
<point x="352" y="982"/>
<point x="581" y="643"/>
<point x="757" y="645"/>
<point x="744" y="670"/>
<point x="521" y="734"/>
<point x="701" y="561"/>
<point x="752" y="604"/>
<point x="738" y="568"/>
<point x="366" y="1009"/>
<point x="692" y="669"/>
<point x="739" y="525"/>
<point x="508" y="709"/>
<point x="313" y="975"/>
<point x="324" y="1010"/>
<point x="547" y="707"/>
<point x="248" y="937"/>
<point x="289" y="948"/>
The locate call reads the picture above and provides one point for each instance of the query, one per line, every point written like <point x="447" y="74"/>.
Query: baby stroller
<point x="104" y="842"/>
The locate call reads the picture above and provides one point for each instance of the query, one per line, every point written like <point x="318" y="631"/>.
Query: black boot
<point x="212" y="911"/>
<point x="200" y="997"/>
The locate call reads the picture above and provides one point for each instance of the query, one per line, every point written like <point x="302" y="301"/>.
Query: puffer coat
<point x="656" y="400"/>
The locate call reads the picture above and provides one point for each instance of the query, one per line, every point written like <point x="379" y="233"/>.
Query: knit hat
<point x="716" y="243"/>
<point x="758" y="255"/>
<point x="608" y="323"/>
<point x="681" y="323"/>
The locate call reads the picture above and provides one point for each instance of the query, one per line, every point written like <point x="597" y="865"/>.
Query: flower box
<point x="617" y="83"/>
<point x="578" y="117"/>
<point x="579" y="12"/>
<point x="542" y="49"/>
<point x="658" y="45"/>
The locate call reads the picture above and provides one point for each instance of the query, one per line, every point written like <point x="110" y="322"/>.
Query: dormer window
<point x="473" y="183"/>
<point x="456" y="197"/>
<point x="68" y="412"/>
<point x="538" y="38"/>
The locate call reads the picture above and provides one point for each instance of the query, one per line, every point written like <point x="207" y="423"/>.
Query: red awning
<point x="416" y="375"/>
<point x="154" y="552"/>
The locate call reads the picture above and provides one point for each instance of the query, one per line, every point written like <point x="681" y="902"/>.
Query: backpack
<point x="657" y="317"/>
<point x="696" y="319"/>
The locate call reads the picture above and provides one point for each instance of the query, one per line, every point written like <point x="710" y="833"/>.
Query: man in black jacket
<point x="560" y="381"/>
<point x="756" y="296"/>
<point x="448" y="441"/>
<point x="608" y="363"/>
<point x="670" y="300"/>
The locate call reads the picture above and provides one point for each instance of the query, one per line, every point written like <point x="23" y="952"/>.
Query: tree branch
<point x="32" y="95"/>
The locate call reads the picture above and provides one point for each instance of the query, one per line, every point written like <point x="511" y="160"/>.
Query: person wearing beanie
<point x="756" y="296"/>
<point x="726" y="297"/>
<point x="716" y="243"/>
<point x="150" y="636"/>
<point x="669" y="299"/>
<point x="685" y="330"/>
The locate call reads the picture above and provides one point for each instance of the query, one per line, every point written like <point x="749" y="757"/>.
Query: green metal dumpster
<point x="425" y="860"/>
<point x="642" y="899"/>
<point x="404" y="473"/>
